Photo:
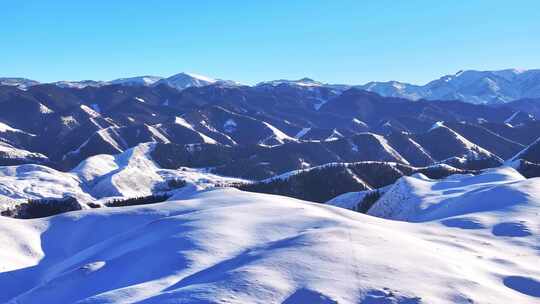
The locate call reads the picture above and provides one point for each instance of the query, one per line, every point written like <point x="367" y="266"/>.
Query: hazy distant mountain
<point x="79" y="84"/>
<point x="480" y="87"/>
<point x="139" y="80"/>
<point x="477" y="87"/>
<point x="21" y="83"/>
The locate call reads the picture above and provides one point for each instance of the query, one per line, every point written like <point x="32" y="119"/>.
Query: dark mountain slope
<point x="322" y="183"/>
<point x="495" y="143"/>
<point x="530" y="153"/>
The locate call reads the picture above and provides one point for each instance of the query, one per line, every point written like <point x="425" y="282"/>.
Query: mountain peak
<point x="303" y="82"/>
<point x="473" y="86"/>
<point x="137" y="80"/>
<point x="21" y="83"/>
<point x="185" y="80"/>
<point x="194" y="76"/>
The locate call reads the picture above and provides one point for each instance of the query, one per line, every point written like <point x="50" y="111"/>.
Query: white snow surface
<point x="184" y="123"/>
<point x="90" y="111"/>
<point x="11" y="152"/>
<point x="472" y="150"/>
<point x="228" y="246"/>
<point x="35" y="181"/>
<point x="6" y="128"/>
<point x="388" y="148"/>
<point x="130" y="174"/>
<point x="414" y="198"/>
<point x="348" y="200"/>
<point x="277" y="135"/>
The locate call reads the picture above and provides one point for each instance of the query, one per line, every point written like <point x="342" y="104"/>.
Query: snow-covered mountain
<point x="449" y="188"/>
<point x="479" y="87"/>
<point x="418" y="198"/>
<point x="10" y="155"/>
<point x="21" y="83"/>
<point x="179" y="81"/>
<point x="186" y="80"/>
<point x="396" y="89"/>
<point x="138" y="80"/>
<point x="79" y="84"/>
<point x="129" y="174"/>
<point x="479" y="245"/>
<point x="304" y="82"/>
<point x="272" y="129"/>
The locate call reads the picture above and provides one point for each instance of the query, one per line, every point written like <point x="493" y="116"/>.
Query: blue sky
<point x="250" y="41"/>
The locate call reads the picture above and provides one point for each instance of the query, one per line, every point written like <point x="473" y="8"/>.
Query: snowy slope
<point x="35" y="181"/>
<point x="228" y="246"/>
<point x="133" y="173"/>
<point x="348" y="200"/>
<point x="7" y="151"/>
<point x="530" y="153"/>
<point x="277" y="136"/>
<point x="130" y="174"/>
<point x="184" y="123"/>
<point x="418" y="198"/>
<point x="448" y="146"/>
<point x="7" y="128"/>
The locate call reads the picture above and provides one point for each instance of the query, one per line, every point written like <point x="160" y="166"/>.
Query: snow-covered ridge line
<point x="181" y="121"/>
<point x="525" y="150"/>
<point x="416" y="199"/>
<point x="7" y="128"/>
<point x="495" y="87"/>
<point x="277" y="134"/>
<point x="286" y="175"/>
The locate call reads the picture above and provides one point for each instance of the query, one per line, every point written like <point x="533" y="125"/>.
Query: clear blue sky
<point x="334" y="41"/>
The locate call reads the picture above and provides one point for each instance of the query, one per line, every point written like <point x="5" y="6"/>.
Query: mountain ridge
<point x="474" y="86"/>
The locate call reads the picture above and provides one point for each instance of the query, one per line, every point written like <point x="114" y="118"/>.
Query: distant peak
<point x="194" y="76"/>
<point x="305" y="82"/>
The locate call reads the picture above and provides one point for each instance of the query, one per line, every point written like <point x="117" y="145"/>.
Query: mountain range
<point x="197" y="190"/>
<point x="479" y="87"/>
<point x="254" y="131"/>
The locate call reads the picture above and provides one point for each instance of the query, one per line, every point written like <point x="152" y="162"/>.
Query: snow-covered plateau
<point x="463" y="239"/>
